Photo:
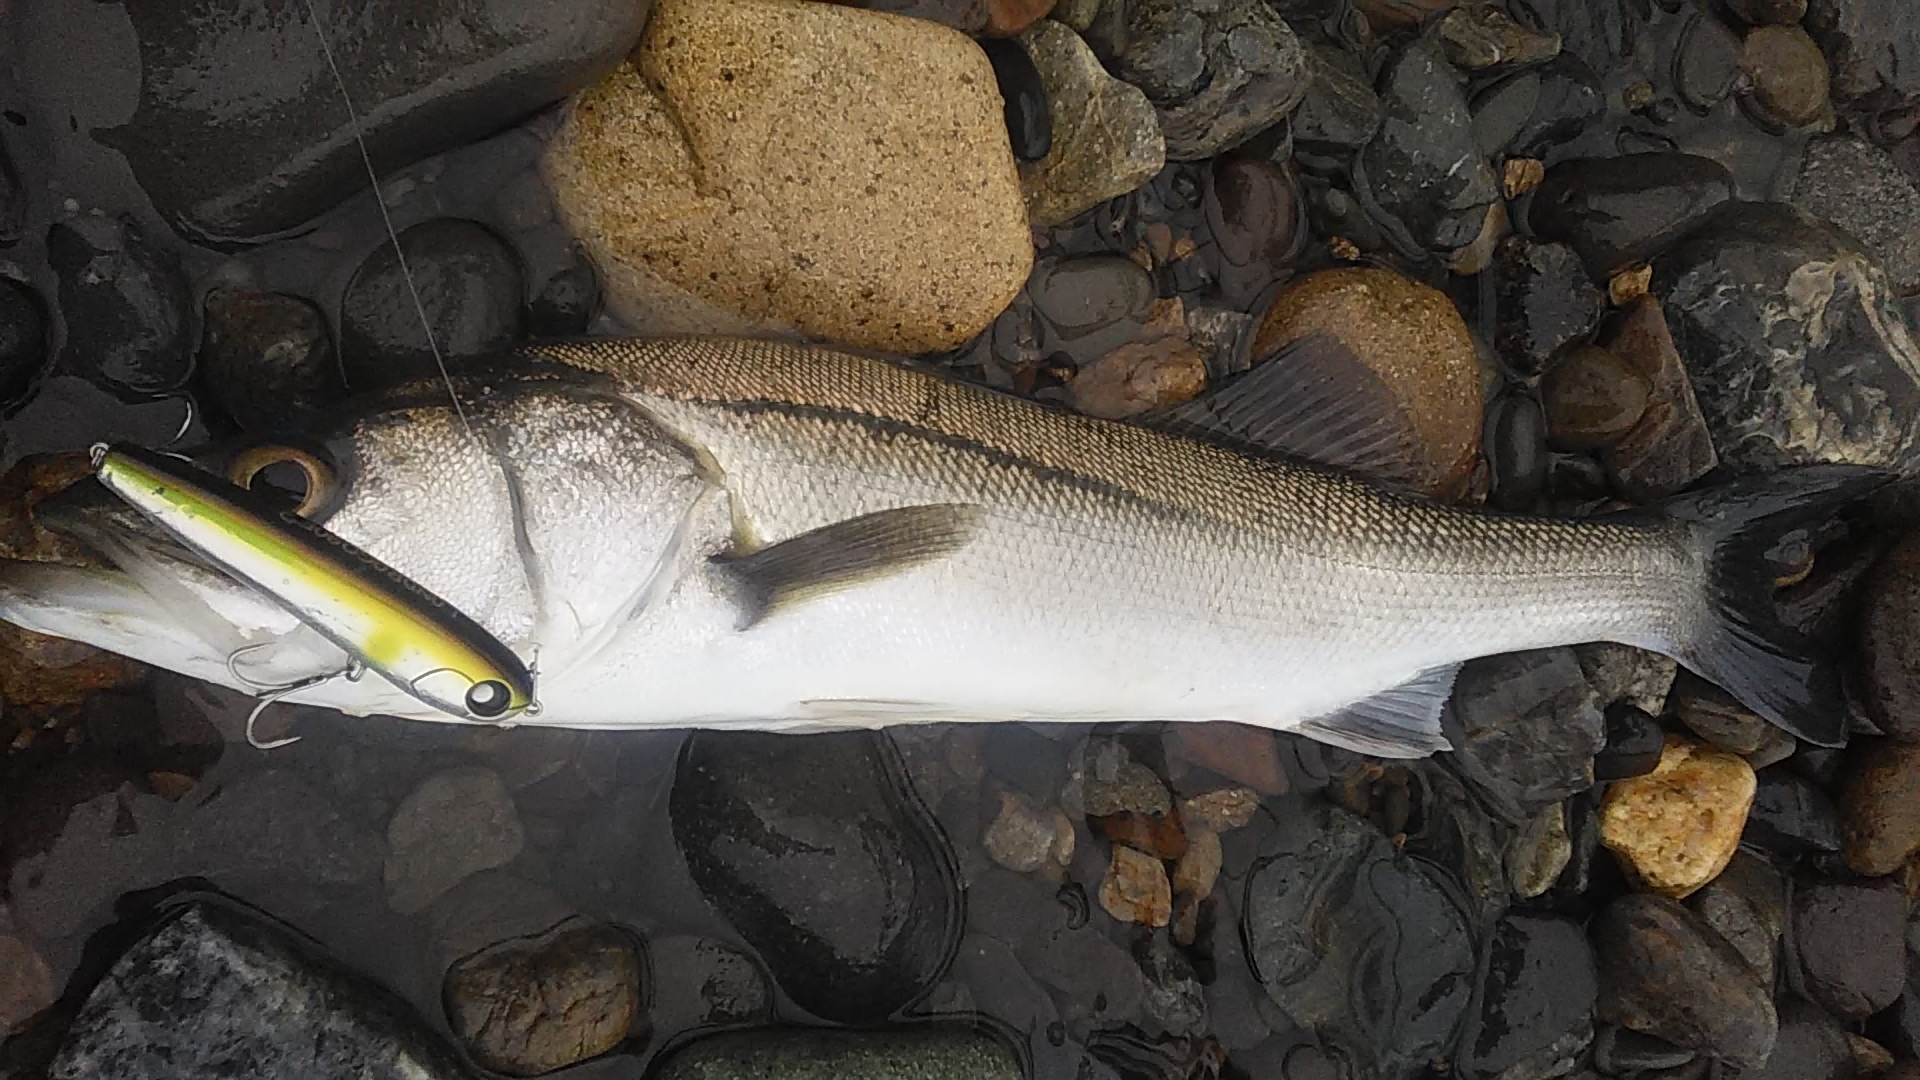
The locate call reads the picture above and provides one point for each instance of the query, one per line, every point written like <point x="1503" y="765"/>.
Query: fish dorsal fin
<point x="1403" y="722"/>
<point x="1312" y="400"/>
<point x="846" y="553"/>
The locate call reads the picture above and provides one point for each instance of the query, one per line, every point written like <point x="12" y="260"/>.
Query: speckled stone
<point x="1677" y="827"/>
<point x="887" y="216"/>
<point x="923" y="1052"/>
<point x="1106" y="136"/>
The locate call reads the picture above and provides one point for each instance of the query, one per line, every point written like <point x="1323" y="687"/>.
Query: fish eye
<point x="488" y="698"/>
<point x="288" y="472"/>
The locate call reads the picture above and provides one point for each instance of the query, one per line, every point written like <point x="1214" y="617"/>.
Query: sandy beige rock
<point x="1199" y="868"/>
<point x="1136" y="888"/>
<point x="1677" y="827"/>
<point x="766" y="165"/>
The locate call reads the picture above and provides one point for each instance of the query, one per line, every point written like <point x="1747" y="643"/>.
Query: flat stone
<point x="1849" y="939"/>
<point x="1678" y="826"/>
<point x="531" y="1005"/>
<point x="1664" y="973"/>
<point x="454" y="824"/>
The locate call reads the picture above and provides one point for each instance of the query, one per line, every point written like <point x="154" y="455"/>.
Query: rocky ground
<point x="1589" y="252"/>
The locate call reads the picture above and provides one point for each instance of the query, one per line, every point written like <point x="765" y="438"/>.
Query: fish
<point x="759" y="534"/>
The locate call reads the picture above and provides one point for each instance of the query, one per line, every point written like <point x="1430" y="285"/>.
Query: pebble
<point x="1340" y="111"/>
<point x="1199" y="867"/>
<point x="1023" y="838"/>
<point x="1090" y="306"/>
<point x="1858" y="186"/>
<point x="1257" y="217"/>
<point x="768" y="823"/>
<point x="700" y="983"/>
<point x="894" y="222"/>
<point x="923" y="1052"/>
<point x="1677" y="827"/>
<point x="1889" y="656"/>
<point x="1791" y="816"/>
<point x="1874" y="46"/>
<point x="1136" y="888"/>
<point x="1139" y="376"/>
<point x="1516" y="450"/>
<point x="228" y="153"/>
<point x="1112" y="783"/>
<point x="1531" y="112"/>
<point x="456" y="823"/>
<point x="1715" y="716"/>
<point x="1408" y="336"/>
<point x="469" y="281"/>
<point x="1239" y="752"/>
<point x="1706" y="69"/>
<point x="1634" y="743"/>
<point x="1106" y="137"/>
<point x="1539" y="853"/>
<point x="1592" y="399"/>
<point x="1849" y="943"/>
<point x="1880" y="804"/>
<point x="23" y="339"/>
<point x="1620" y="211"/>
<point x="1525" y="728"/>
<point x="1665" y="973"/>
<point x="1837" y="377"/>
<point x="1217" y="75"/>
<point x="1423" y="166"/>
<point x="1029" y="121"/>
<point x="1747" y="906"/>
<point x="568" y="302"/>
<point x="1789" y="74"/>
<point x="1172" y="996"/>
<point x="269" y="360"/>
<point x="126" y="303"/>
<point x="532" y="1005"/>
<point x="1536" y="1000"/>
<point x="1545" y="301"/>
<point x="26" y="984"/>
<point x="1672" y="445"/>
<point x="1476" y="36"/>
<point x="1495" y="228"/>
<point x="1221" y="810"/>
<point x="1006" y="18"/>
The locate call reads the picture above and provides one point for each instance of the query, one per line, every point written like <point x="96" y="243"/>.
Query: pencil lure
<point x="384" y="620"/>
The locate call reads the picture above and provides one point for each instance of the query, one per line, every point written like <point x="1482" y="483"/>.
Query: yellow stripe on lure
<point x="386" y="621"/>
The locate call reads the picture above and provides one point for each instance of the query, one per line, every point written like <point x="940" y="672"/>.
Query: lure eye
<point x="287" y="471"/>
<point x="488" y="698"/>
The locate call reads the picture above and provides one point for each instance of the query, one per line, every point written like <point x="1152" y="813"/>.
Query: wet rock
<point x="532" y="1005"/>
<point x="1758" y="12"/>
<point x="1528" y="727"/>
<point x="469" y="281"/>
<point x="1139" y="376"/>
<point x="1620" y="211"/>
<point x="1227" y="808"/>
<point x="1239" y="752"/>
<point x="1706" y="66"/>
<point x="1848" y="940"/>
<point x="1362" y="945"/>
<point x="568" y="302"/>
<point x="1410" y="339"/>
<point x="1026" y="759"/>
<point x="819" y="854"/>
<point x="1136" y="889"/>
<point x="1874" y="46"/>
<point x="1764" y="283"/>
<point x="1217" y="74"/>
<point x="219" y="989"/>
<point x="127" y="306"/>
<point x="1495" y="228"/>
<point x="1199" y="865"/>
<point x="1671" y="446"/>
<point x="1340" y="110"/>
<point x="1889" y="657"/>
<point x="1592" y="398"/>
<point x="1530" y="112"/>
<point x="697" y="983"/>
<point x="1257" y="218"/>
<point x="895" y="222"/>
<point x="23" y="339"/>
<point x="26" y="985"/>
<point x="1173" y="998"/>
<point x="1545" y="301"/>
<point x="1664" y="973"/>
<point x="1112" y="783"/>
<point x="1482" y="36"/>
<point x="1023" y="838"/>
<point x="1423" y="166"/>
<point x="1106" y="137"/>
<point x="1880" y="803"/>
<point x="1536" y="999"/>
<point x="1634" y="743"/>
<point x="1516" y="450"/>
<point x="1859" y="187"/>
<point x="1789" y="74"/>
<point x="269" y="360"/>
<point x="1791" y="816"/>
<point x="1811" y="1046"/>
<point x="1747" y="906"/>
<point x="1090" y="306"/>
<point x="1096" y="983"/>
<point x="1540" y="851"/>
<point x="1715" y="716"/>
<point x="1029" y="123"/>
<point x="928" y="1052"/>
<point x="1677" y="827"/>
<point x="455" y="823"/>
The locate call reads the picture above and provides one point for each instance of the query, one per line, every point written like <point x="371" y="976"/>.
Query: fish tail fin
<point x="1738" y="640"/>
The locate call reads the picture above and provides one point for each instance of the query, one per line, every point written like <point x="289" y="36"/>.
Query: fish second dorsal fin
<point x="1403" y="722"/>
<point x="1311" y="401"/>
<point x="845" y="553"/>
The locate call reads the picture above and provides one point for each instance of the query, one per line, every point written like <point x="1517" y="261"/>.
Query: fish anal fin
<point x="1313" y="400"/>
<point x="845" y="554"/>
<point x="1402" y="722"/>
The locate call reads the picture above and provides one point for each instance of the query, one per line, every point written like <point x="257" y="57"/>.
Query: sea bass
<point x="737" y="533"/>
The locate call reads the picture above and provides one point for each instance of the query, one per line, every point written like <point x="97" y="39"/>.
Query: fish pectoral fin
<point x="846" y="553"/>
<point x="1403" y="722"/>
<point x="1312" y="400"/>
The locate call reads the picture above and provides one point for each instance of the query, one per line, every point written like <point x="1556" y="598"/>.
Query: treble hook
<point x="271" y="692"/>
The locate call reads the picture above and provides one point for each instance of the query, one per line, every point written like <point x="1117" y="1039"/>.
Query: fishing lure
<point x="384" y="620"/>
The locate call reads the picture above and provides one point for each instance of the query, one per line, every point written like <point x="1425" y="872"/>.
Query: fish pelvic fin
<point x="1402" y="722"/>
<point x="1739" y="641"/>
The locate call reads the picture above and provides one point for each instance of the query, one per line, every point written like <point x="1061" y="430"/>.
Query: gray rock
<point x="1022" y="836"/>
<point x="1623" y="673"/>
<point x="1536" y="1000"/>
<point x="1715" y="716"/>
<point x="1747" y="905"/>
<point x="1098" y="985"/>
<point x="127" y="305"/>
<point x="1665" y="973"/>
<point x="216" y="990"/>
<point x="1424" y="167"/>
<point x="1811" y="1046"/>
<point x="698" y="983"/>
<point x="470" y="284"/>
<point x="1106" y="135"/>
<point x="455" y="823"/>
<point x="491" y="906"/>
<point x="1874" y="46"/>
<point x="1218" y="71"/>
<point x="1173" y="998"/>
<point x="1525" y="729"/>
<point x="922" y="1053"/>
<point x="1113" y="783"/>
<point x="1340" y="110"/>
<point x="269" y="360"/>
<point x="1539" y="852"/>
<point x="1478" y="36"/>
<point x="1848" y="940"/>
<point x="1619" y="211"/>
<point x="1795" y="348"/>
<point x="1089" y="306"/>
<point x="1528" y="113"/>
<point x="1859" y="187"/>
<point x="531" y="1005"/>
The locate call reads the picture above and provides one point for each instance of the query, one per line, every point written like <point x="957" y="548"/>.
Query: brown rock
<point x="38" y="672"/>
<point x="1665" y="973"/>
<point x="780" y="164"/>
<point x="1021" y="836"/>
<point x="1006" y="18"/>
<point x="1481" y="35"/>
<point x="1880" y="804"/>
<point x="536" y="1004"/>
<point x="1627" y="286"/>
<point x="1227" y="808"/>
<point x="1136" y="889"/>
<point x="1162" y="836"/>
<point x="1495" y="227"/>
<point x="1199" y="868"/>
<point x="26" y="986"/>
<point x="1521" y="175"/>
<point x="1138" y="376"/>
<point x="1236" y="751"/>
<point x="1670" y="447"/>
<point x="1889" y="653"/>
<point x="1678" y="826"/>
<point x="1592" y="398"/>
<point x="1789" y="74"/>
<point x="1412" y="339"/>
